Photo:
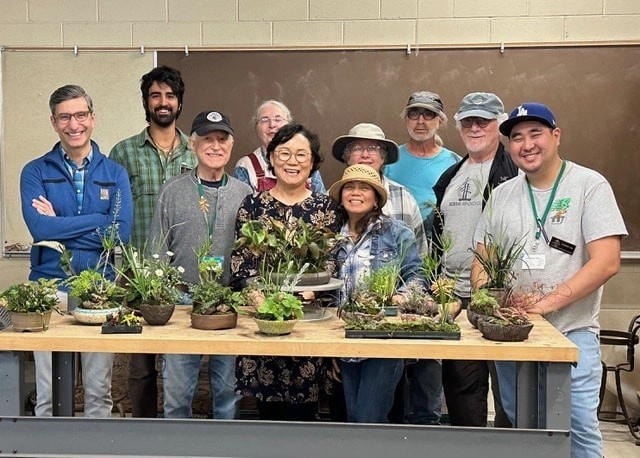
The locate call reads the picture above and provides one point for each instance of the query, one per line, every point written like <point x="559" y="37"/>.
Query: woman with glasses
<point x="286" y="388"/>
<point x="254" y="168"/>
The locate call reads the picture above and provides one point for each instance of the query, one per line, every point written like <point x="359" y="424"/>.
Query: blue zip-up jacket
<point x="48" y="176"/>
<point x="391" y="242"/>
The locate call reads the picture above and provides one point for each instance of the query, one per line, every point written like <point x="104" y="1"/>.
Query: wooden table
<point x="543" y="393"/>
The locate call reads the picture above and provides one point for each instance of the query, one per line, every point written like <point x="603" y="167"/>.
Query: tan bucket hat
<point x="359" y="172"/>
<point x="365" y="131"/>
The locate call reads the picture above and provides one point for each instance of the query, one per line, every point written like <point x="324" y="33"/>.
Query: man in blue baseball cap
<point x="568" y="220"/>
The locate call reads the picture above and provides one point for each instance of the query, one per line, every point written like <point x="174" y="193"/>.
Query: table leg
<point x="12" y="390"/>
<point x="63" y="383"/>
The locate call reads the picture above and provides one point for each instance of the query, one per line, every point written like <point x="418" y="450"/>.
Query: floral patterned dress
<point x="276" y="378"/>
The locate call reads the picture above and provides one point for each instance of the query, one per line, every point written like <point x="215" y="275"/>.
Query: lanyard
<point x="204" y="205"/>
<point x="540" y="221"/>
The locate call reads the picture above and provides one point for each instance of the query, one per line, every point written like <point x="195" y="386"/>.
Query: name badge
<point x="533" y="261"/>
<point x="561" y="245"/>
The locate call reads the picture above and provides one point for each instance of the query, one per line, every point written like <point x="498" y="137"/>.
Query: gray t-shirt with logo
<point x="584" y="209"/>
<point x="461" y="208"/>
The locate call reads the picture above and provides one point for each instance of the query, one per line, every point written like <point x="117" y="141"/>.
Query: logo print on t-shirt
<point x="559" y="210"/>
<point x="465" y="191"/>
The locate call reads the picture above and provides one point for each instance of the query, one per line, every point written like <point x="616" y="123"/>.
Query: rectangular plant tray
<point x="121" y="329"/>
<point x="374" y="334"/>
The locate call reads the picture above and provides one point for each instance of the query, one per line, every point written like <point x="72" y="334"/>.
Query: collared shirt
<point x="402" y="206"/>
<point x="148" y="170"/>
<point x="77" y="175"/>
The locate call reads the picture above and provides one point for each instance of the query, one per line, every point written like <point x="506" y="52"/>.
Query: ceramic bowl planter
<point x="30" y="321"/>
<point x="275" y="328"/>
<point x="92" y="316"/>
<point x="504" y="333"/>
<point x="305" y="279"/>
<point x="214" y="322"/>
<point x="157" y="314"/>
<point x="474" y="316"/>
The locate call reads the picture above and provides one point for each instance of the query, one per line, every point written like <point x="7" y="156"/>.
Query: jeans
<point x="586" y="440"/>
<point x="180" y="374"/>
<point x="369" y="386"/>
<point x="96" y="380"/>
<point x="426" y="392"/>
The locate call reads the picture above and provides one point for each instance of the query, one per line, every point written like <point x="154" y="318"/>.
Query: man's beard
<point x="164" y="120"/>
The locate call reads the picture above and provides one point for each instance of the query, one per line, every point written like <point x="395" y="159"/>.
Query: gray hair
<point x="502" y="117"/>
<point x="287" y="113"/>
<point x="68" y="92"/>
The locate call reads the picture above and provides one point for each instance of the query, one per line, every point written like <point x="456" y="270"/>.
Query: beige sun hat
<point x="365" y="131"/>
<point x="363" y="173"/>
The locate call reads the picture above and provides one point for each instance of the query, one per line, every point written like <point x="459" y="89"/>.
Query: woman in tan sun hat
<point x="371" y="241"/>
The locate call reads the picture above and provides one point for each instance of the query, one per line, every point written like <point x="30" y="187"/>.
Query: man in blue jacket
<point x="71" y="195"/>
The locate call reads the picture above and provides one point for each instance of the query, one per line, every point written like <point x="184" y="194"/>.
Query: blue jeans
<point x="96" y="381"/>
<point x="426" y="392"/>
<point x="586" y="440"/>
<point x="369" y="386"/>
<point x="180" y="374"/>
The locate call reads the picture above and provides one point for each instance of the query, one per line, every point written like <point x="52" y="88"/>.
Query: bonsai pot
<point x="275" y="328"/>
<point x="474" y="316"/>
<point x="30" y="321"/>
<point x="157" y="314"/>
<point x="213" y="322"/>
<point x="306" y="279"/>
<point x="504" y="333"/>
<point x="92" y="316"/>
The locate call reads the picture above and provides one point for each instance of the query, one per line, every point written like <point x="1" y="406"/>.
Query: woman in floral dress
<point x="286" y="388"/>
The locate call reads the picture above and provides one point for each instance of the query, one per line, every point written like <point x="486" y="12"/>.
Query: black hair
<point x="286" y="133"/>
<point x="163" y="74"/>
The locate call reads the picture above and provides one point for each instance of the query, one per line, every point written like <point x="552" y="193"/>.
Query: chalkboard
<point x="29" y="78"/>
<point x="594" y="92"/>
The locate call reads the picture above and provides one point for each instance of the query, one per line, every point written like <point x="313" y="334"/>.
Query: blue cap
<point x="529" y="111"/>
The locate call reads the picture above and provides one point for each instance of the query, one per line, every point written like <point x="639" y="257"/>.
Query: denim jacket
<point x="389" y="241"/>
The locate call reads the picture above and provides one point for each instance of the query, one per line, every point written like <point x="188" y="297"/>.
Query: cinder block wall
<point x="265" y="23"/>
<point x="318" y="23"/>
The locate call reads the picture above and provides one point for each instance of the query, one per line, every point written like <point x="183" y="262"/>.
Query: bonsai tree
<point x="32" y="297"/>
<point x="210" y="297"/>
<point x="288" y="245"/>
<point x="92" y="287"/>
<point x="94" y="291"/>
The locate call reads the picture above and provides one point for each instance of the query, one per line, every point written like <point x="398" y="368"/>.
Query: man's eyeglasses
<point x="480" y="122"/>
<point x="268" y="120"/>
<point x="358" y="150"/>
<point x="65" y="118"/>
<point x="284" y="155"/>
<point x="414" y="114"/>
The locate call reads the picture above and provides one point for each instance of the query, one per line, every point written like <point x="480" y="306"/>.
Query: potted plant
<point x="30" y="304"/>
<point x="122" y="322"/>
<point x="371" y="297"/>
<point x="153" y="284"/>
<point x="482" y="304"/>
<point x="511" y="323"/>
<point x="92" y="294"/>
<point x="96" y="295"/>
<point x="214" y="306"/>
<point x="288" y="246"/>
<point x="277" y="309"/>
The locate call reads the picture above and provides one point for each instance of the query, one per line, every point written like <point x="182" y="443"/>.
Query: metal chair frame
<point x="627" y="339"/>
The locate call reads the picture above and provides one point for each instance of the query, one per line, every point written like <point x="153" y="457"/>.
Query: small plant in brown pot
<point x="30" y="304"/>
<point x="215" y="306"/>
<point x="511" y="323"/>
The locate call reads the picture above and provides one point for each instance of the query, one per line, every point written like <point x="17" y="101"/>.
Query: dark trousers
<point x="466" y="388"/>
<point x="143" y="385"/>
<point x="284" y="411"/>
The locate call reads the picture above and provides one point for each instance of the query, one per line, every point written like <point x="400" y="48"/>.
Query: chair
<point x="628" y="339"/>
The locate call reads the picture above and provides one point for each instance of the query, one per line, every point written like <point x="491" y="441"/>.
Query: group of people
<point x="392" y="204"/>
